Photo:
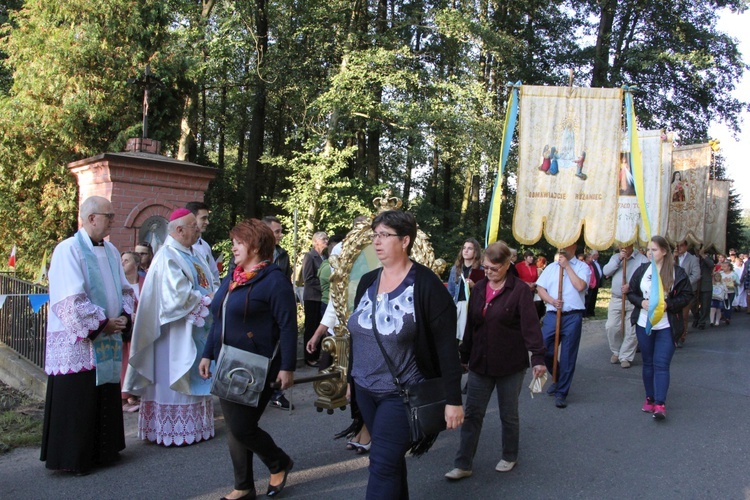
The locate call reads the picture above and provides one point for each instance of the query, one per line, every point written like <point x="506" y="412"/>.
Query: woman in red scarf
<point x="261" y="314"/>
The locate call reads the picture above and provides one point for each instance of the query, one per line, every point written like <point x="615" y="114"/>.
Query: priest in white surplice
<point x="90" y="306"/>
<point x="168" y="338"/>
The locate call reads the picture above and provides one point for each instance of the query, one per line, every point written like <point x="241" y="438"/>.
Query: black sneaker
<point x="281" y="403"/>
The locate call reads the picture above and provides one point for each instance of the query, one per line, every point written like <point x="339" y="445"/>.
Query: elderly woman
<point x="503" y="328"/>
<point x="260" y="313"/>
<point x="415" y="320"/>
<point x="658" y="345"/>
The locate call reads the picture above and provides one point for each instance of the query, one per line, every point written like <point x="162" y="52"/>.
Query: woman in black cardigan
<point x="260" y="312"/>
<point x="658" y="346"/>
<point x="415" y="320"/>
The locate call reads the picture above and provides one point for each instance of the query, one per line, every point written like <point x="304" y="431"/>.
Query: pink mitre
<point x="179" y="213"/>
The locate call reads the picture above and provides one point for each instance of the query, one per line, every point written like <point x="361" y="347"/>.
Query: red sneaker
<point x="660" y="412"/>
<point x="648" y="406"/>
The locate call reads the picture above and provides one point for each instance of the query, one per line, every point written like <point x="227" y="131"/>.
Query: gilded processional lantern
<point x="357" y="257"/>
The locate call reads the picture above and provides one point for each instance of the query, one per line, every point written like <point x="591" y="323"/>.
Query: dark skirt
<point x="83" y="424"/>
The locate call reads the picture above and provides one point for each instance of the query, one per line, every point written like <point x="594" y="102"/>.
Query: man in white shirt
<point x="575" y="278"/>
<point x="201" y="247"/>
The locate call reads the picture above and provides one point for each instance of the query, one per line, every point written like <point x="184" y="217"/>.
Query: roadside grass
<point x="21" y="419"/>
<point x="602" y="302"/>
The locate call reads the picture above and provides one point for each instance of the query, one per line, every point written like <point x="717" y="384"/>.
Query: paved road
<point x="601" y="446"/>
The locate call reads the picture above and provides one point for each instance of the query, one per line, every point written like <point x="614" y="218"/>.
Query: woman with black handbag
<point x="260" y="317"/>
<point x="410" y="341"/>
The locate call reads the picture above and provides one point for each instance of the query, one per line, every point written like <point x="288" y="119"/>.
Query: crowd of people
<point x="141" y="332"/>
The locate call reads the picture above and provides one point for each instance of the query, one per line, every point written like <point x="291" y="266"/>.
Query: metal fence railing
<point x="21" y="328"/>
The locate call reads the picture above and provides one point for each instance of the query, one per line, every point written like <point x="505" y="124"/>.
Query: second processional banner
<point x="687" y="193"/>
<point x="656" y="151"/>
<point x="569" y="152"/>
<point x="717" y="205"/>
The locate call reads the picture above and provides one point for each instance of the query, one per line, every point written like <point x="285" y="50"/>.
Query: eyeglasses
<point x="381" y="236"/>
<point x="492" y="268"/>
<point x="109" y="216"/>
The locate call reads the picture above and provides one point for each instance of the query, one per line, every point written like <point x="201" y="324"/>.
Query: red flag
<point x="12" y="258"/>
<point x="220" y="262"/>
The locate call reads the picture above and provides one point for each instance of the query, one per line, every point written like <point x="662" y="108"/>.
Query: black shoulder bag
<point x="424" y="401"/>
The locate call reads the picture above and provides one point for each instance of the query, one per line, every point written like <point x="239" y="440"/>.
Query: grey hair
<point x="174" y="224"/>
<point x="91" y="205"/>
<point x="320" y="235"/>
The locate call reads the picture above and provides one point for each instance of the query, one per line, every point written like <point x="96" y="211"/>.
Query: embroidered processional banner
<point x="687" y="193"/>
<point x="656" y="152"/>
<point x="568" y="156"/>
<point x="717" y="206"/>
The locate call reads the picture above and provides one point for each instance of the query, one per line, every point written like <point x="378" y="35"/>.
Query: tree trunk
<point x="474" y="209"/>
<point x="201" y="154"/>
<point x="188" y="125"/>
<point x="409" y="168"/>
<point x="434" y="175"/>
<point x="600" y="73"/>
<point x="465" y="198"/>
<point x="374" y="127"/>
<point x="258" y="117"/>
<point x="222" y="127"/>
<point x="447" y="173"/>
<point x="187" y="149"/>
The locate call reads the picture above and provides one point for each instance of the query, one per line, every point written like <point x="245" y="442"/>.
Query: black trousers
<point x="705" y="308"/>
<point x="245" y="439"/>
<point x="312" y="320"/>
<point x="591" y="301"/>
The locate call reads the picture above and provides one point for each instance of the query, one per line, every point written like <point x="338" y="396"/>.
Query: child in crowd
<point x="731" y="280"/>
<point x="718" y="298"/>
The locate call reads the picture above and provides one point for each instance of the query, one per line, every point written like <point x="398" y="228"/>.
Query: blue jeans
<point x="570" y="339"/>
<point x="656" y="350"/>
<point x="386" y="419"/>
<point x="478" y="395"/>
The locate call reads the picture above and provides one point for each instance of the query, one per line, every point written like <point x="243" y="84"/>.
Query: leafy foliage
<point x="313" y="107"/>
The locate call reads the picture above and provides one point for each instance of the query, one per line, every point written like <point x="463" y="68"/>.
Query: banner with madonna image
<point x="569" y="144"/>
<point x="687" y="193"/>
<point x="717" y="206"/>
<point x="656" y="151"/>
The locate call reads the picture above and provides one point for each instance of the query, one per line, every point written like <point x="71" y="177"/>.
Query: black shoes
<point x="281" y="403"/>
<point x="276" y="490"/>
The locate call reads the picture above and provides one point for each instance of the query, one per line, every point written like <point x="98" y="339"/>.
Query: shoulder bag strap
<point x="224" y="316"/>
<point x="375" y="333"/>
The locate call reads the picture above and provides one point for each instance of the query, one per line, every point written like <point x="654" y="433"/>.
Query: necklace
<point x="495" y="291"/>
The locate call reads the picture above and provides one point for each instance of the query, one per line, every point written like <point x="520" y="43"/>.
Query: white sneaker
<point x="504" y="466"/>
<point x="457" y="474"/>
